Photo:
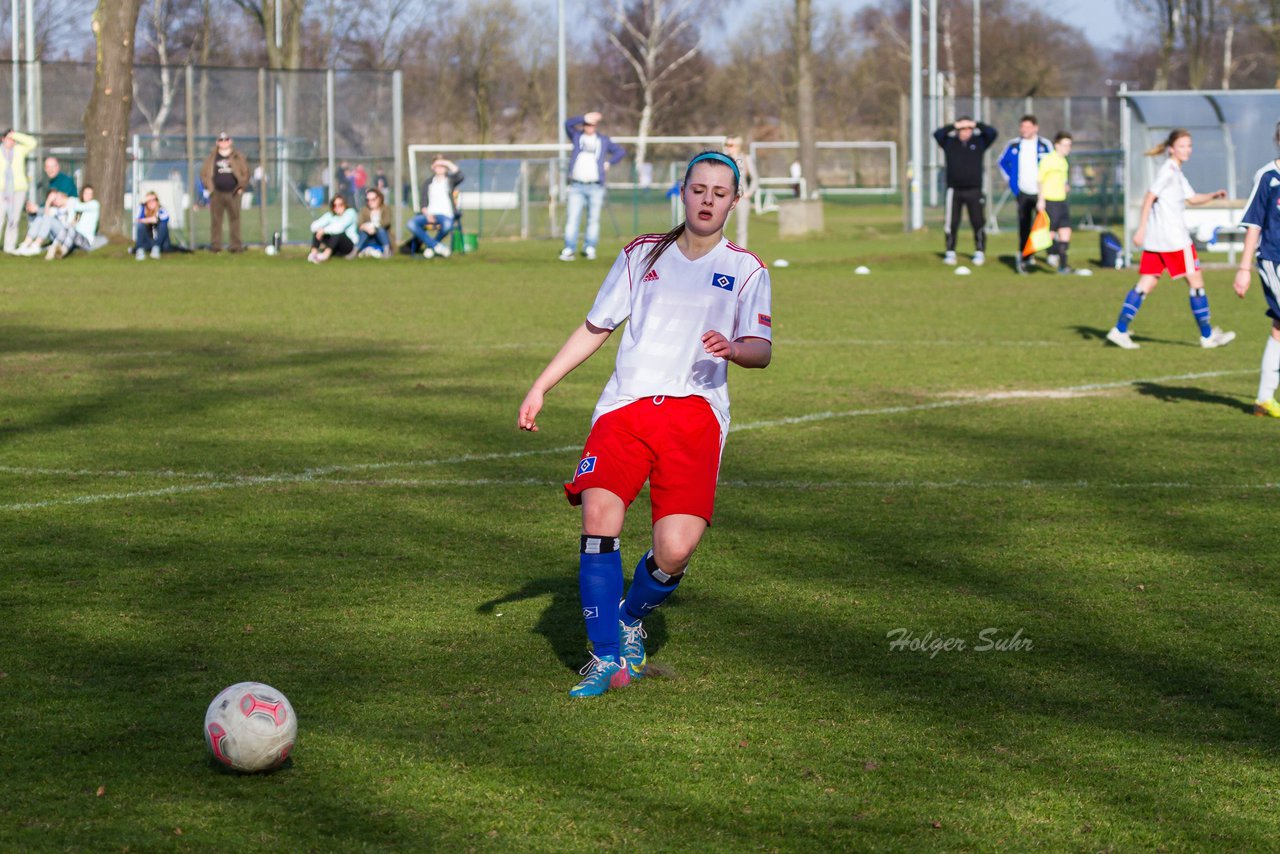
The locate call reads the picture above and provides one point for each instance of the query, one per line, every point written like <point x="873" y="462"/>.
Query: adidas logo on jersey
<point x="651" y="276"/>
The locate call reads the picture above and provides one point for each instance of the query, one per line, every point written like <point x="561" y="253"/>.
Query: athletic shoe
<point x="949" y="258"/>
<point x="566" y="254"/>
<point x="601" y="675"/>
<point x="979" y="258"/>
<point x="141" y="255"/>
<point x="28" y="249"/>
<point x="590" y="252"/>
<point x="633" y="648"/>
<point x="1121" y="339"/>
<point x="1051" y="260"/>
<point x="1217" y="338"/>
<point x="428" y="252"/>
<point x="155" y="253"/>
<point x="1066" y="271"/>
<point x="1267" y="408"/>
<point x="443" y="251"/>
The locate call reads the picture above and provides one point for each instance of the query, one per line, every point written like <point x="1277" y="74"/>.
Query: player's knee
<point x="672" y="556"/>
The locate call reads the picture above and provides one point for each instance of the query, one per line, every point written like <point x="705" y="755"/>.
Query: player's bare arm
<point x="581" y="344"/>
<point x="745" y="352"/>
<point x="1244" y="275"/>
<point x="1203" y="198"/>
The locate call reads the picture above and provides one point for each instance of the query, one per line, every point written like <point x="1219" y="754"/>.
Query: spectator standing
<point x="226" y="175"/>
<point x="13" y="183"/>
<point x="1021" y="165"/>
<point x="591" y="156"/>
<point x="964" y="144"/>
<point x="1054" y="174"/>
<point x="334" y="232"/>
<point x="438" y="208"/>
<point x="152" y="236"/>
<point x="734" y="147"/>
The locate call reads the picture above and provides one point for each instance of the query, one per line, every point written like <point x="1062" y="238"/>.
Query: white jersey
<point x="1166" y="227"/>
<point x="669" y="308"/>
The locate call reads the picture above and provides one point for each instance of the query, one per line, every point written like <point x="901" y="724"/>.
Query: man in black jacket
<point x="964" y="143"/>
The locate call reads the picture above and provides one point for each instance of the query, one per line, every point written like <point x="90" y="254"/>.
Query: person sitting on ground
<point x="334" y="232"/>
<point x="152" y="236"/>
<point x="438" y="210"/>
<point x="84" y="234"/>
<point x="375" y="242"/>
<point x="54" y="215"/>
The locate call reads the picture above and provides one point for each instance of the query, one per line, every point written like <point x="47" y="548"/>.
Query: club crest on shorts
<point x="587" y="466"/>
<point x="590" y="613"/>
<point x="720" y="280"/>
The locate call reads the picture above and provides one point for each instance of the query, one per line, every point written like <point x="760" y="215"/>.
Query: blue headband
<point x="718" y="158"/>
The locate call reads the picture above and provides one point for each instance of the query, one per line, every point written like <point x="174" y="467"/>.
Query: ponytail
<point x="1163" y="147"/>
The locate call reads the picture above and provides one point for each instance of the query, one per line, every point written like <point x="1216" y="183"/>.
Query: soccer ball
<point x="270" y="250"/>
<point x="250" y="727"/>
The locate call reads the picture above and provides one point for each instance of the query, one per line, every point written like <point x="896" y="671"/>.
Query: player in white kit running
<point x="692" y="302"/>
<point x="1166" y="244"/>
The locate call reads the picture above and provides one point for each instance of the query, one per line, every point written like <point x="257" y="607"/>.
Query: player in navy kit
<point x="692" y="302"/>
<point x="1262" y="238"/>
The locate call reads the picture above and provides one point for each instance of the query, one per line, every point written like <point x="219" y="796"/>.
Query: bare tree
<point x="155" y="33"/>
<point x="656" y="38"/>
<point x="106" y="118"/>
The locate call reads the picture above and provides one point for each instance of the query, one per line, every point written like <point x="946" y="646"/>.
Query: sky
<point x="1101" y="20"/>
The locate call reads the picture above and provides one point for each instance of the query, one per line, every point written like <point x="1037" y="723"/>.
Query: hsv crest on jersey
<point x="651" y="276"/>
<point x="764" y="320"/>
<point x="588" y="464"/>
<point x="720" y="280"/>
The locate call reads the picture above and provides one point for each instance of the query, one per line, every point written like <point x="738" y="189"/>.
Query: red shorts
<point x="672" y="442"/>
<point x="1178" y="263"/>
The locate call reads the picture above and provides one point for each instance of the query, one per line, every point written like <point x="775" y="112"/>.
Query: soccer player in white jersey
<point x="1262" y="238"/>
<point x="692" y="302"/>
<point x="1166" y="243"/>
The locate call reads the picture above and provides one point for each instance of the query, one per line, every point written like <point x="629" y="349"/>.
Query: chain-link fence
<point x="306" y="134"/>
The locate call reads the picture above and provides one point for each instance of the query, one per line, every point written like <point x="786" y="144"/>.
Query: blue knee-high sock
<point x="1200" y="308"/>
<point x="649" y="587"/>
<point x="1132" y="302"/>
<point x="600" y="585"/>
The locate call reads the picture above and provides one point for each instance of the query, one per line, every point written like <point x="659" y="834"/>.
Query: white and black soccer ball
<point x="250" y="727"/>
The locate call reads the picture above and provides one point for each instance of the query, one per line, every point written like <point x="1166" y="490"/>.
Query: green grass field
<point x="215" y="469"/>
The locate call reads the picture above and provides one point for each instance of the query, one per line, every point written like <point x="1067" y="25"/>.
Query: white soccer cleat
<point x="1121" y="339"/>
<point x="949" y="258"/>
<point x="141" y="255"/>
<point x="979" y="258"/>
<point x="155" y="253"/>
<point x="590" y="252"/>
<point x="566" y="254"/>
<point x="1217" y="338"/>
<point x="443" y="251"/>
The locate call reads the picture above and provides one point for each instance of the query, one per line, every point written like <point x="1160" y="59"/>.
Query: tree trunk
<point x="106" y="119"/>
<point x="803" y="37"/>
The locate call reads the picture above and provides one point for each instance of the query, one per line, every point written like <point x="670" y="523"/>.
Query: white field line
<point x="320" y="474"/>
<point x="990" y="397"/>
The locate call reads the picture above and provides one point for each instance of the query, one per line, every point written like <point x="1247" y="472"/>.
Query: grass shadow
<point x="1178" y="394"/>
